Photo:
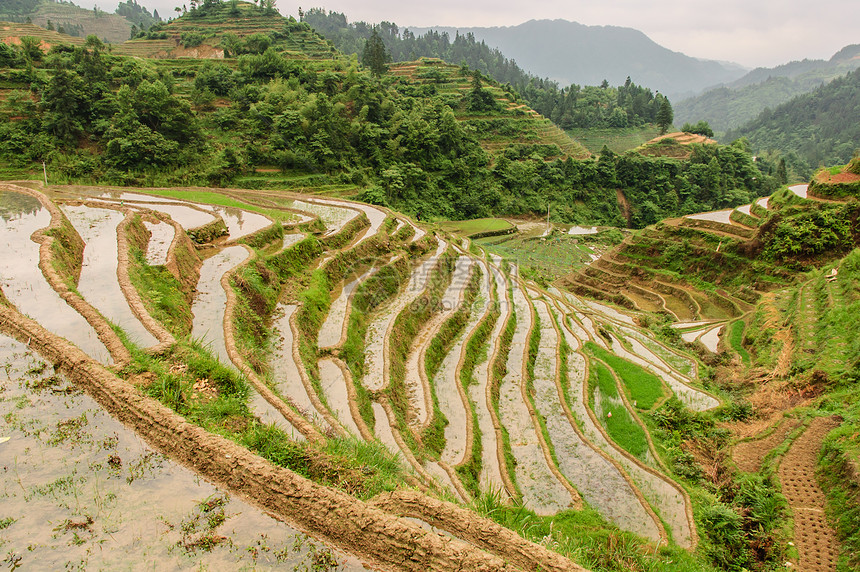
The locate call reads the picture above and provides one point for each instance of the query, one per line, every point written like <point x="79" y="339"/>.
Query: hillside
<point x="732" y="105"/>
<point x="568" y="106"/>
<point x="544" y="48"/>
<point x="209" y="33"/>
<point x="73" y="19"/>
<point x="811" y="129"/>
<point x="428" y="138"/>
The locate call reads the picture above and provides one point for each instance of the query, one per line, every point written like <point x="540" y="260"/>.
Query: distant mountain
<point x="729" y="106"/>
<point x="817" y="128"/>
<point x="569" y="53"/>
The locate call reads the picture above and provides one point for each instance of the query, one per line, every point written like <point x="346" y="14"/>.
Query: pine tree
<point x="375" y="56"/>
<point x="665" y="116"/>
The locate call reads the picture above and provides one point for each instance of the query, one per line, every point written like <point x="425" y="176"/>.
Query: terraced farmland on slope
<point x="340" y="352"/>
<point x="516" y="125"/>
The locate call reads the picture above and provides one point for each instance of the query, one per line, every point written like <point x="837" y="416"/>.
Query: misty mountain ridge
<point x="570" y="52"/>
<point x="731" y="105"/>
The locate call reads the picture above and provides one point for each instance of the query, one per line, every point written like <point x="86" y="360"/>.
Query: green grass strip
<point x="644" y="387"/>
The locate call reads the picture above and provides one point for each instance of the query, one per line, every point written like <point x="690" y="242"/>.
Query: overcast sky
<point x="749" y="32"/>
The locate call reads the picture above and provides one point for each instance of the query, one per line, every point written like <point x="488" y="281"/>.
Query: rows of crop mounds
<point x="502" y="395"/>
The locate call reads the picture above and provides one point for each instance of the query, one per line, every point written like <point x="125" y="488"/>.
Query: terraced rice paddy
<point x="520" y="394"/>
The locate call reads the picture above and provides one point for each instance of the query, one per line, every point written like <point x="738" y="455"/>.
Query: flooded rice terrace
<point x="79" y="491"/>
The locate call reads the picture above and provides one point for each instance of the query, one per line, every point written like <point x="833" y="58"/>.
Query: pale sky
<point x="749" y="32"/>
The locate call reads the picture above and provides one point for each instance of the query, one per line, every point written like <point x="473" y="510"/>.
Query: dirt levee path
<point x="813" y="535"/>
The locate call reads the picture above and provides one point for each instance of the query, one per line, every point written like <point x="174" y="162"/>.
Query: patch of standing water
<point x="580" y="230"/>
<point x="715" y="216"/>
<point x="382" y="429"/>
<point x="595" y="477"/>
<point x="98" y="283"/>
<point x="711" y="338"/>
<point x="762" y="202"/>
<point x="420" y="401"/>
<point x="84" y="492"/>
<point x="745" y="209"/>
<point x="374" y="215"/>
<point x="241" y="222"/>
<point x="161" y="236"/>
<point x="542" y="492"/>
<point x="610" y="312"/>
<point x="691" y="335"/>
<point x="491" y="476"/>
<point x="186" y="216"/>
<point x="799" y="190"/>
<point x="377" y="332"/>
<point x="24" y="285"/>
<point x="333" y="384"/>
<point x="448" y="386"/>
<point x="689" y="324"/>
<point x="332" y="329"/>
<point x="689" y="396"/>
<point x="285" y="371"/>
<point x="291" y="239"/>
<point x="334" y="218"/>
<point x="663" y="497"/>
<point x="209" y="308"/>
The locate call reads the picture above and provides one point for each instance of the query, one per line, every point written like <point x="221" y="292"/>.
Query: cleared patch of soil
<point x="814" y="538"/>
<point x="748" y="455"/>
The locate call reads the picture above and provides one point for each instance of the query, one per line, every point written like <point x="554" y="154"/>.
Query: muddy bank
<point x="89" y="493"/>
<point x="387" y="542"/>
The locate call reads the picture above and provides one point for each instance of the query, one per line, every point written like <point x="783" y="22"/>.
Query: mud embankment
<point x="388" y="542"/>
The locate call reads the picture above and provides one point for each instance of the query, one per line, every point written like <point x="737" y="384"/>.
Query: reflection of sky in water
<point x="13" y="205"/>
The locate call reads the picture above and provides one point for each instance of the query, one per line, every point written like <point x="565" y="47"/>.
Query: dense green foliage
<point x="732" y="105"/>
<point x="570" y="107"/>
<point x="100" y="118"/>
<point x="813" y="127"/>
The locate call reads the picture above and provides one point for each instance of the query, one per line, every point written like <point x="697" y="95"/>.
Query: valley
<point x="285" y="310"/>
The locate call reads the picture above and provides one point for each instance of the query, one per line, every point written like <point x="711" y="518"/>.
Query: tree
<point x="665" y="116"/>
<point x="700" y="128"/>
<point x="782" y="172"/>
<point x="375" y="56"/>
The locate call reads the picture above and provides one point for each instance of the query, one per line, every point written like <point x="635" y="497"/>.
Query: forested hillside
<point x="575" y="106"/>
<point x="394" y="140"/>
<point x="813" y="129"/>
<point x="730" y="106"/>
